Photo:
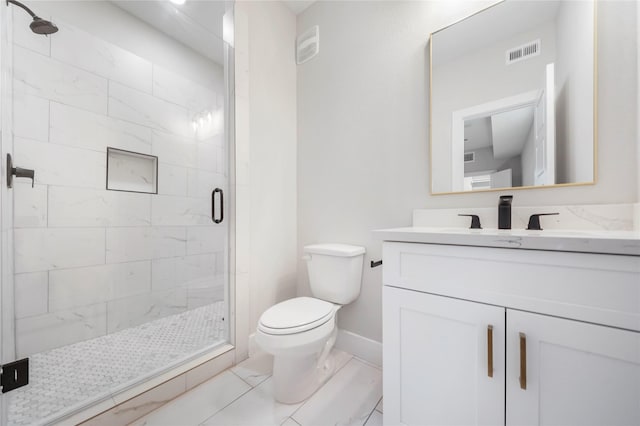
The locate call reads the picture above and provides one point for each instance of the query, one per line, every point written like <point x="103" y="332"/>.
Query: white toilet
<point x="300" y="332"/>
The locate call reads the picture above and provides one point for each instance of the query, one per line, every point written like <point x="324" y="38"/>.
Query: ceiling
<point x="510" y="130"/>
<point x="298" y="6"/>
<point x="196" y="24"/>
<point x="505" y="132"/>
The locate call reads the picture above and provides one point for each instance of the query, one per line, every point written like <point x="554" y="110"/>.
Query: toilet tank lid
<point x="342" y="250"/>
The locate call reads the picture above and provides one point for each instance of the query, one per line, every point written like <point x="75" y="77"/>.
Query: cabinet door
<point x="436" y="360"/>
<point x="576" y="373"/>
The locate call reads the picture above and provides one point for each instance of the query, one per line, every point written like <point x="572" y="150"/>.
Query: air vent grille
<point x="527" y="50"/>
<point x="469" y="157"/>
<point x="307" y="45"/>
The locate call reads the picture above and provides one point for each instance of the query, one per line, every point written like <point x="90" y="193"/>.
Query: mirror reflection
<point x="512" y="97"/>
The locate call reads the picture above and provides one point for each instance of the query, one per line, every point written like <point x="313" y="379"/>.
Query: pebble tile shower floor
<point x="68" y="376"/>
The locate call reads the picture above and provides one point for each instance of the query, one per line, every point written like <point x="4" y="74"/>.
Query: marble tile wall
<point x="88" y="261"/>
<point x="609" y="217"/>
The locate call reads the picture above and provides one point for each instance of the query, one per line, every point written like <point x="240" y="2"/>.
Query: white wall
<point x="574" y="105"/>
<point x="90" y="261"/>
<point x="485" y="161"/>
<point x="266" y="161"/>
<point x="363" y="129"/>
<point x="98" y="18"/>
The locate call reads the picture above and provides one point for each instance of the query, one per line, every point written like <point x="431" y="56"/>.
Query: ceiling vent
<point x="528" y="50"/>
<point x="307" y="45"/>
<point x="469" y="157"/>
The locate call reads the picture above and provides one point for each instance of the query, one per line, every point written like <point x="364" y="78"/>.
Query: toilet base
<point x="297" y="377"/>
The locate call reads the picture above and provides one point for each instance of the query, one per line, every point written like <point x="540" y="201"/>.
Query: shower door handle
<point x="213" y="205"/>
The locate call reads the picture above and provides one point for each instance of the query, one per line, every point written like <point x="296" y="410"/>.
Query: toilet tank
<point x="335" y="271"/>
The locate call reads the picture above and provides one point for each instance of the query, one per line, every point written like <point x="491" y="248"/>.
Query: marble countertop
<point x="584" y="241"/>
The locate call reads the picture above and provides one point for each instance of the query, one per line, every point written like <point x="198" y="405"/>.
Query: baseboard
<point x="359" y="346"/>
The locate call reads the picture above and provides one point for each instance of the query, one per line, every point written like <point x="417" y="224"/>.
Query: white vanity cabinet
<point x="576" y="373"/>
<point x="437" y="360"/>
<point x="491" y="336"/>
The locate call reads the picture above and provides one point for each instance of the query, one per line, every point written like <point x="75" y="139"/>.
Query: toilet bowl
<point x="300" y="346"/>
<point x="301" y="332"/>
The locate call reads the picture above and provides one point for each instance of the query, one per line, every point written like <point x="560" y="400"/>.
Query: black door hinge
<point x="15" y="375"/>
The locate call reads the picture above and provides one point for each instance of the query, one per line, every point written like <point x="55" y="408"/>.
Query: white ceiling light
<point x="179" y="2"/>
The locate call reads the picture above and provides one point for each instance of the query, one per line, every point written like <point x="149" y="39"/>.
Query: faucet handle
<point x="475" y="221"/>
<point x="534" y="221"/>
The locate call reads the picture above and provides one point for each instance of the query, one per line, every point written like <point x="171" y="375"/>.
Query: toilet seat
<point x="296" y="316"/>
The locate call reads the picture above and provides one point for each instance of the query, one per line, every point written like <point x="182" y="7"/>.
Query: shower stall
<point x="116" y="142"/>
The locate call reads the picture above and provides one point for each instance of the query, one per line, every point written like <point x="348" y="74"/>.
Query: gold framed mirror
<point x="512" y="98"/>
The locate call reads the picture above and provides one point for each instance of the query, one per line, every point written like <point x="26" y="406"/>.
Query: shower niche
<point x="131" y="171"/>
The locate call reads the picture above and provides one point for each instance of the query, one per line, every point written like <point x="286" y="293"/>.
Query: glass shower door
<point x="120" y="245"/>
<point x="5" y="285"/>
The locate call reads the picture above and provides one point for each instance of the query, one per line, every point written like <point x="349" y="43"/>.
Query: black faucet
<point x="475" y="221"/>
<point x="534" y="221"/>
<point x="504" y="212"/>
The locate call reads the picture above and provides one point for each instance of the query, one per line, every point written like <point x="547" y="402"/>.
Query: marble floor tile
<point x="256" y="407"/>
<point x="139" y="406"/>
<point x="204" y="372"/>
<point x="375" y="419"/>
<point x="379" y="406"/>
<point x="256" y="369"/>
<point x="361" y="382"/>
<point x="339" y="359"/>
<point x="199" y="404"/>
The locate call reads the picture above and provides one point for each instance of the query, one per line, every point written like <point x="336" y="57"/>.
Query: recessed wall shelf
<point x="131" y="171"/>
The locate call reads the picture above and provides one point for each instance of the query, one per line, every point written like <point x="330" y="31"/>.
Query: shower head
<point x="39" y="25"/>
<point x="42" y="26"/>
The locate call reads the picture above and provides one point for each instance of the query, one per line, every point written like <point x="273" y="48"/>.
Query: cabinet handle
<point x="490" y="350"/>
<point x="523" y="361"/>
